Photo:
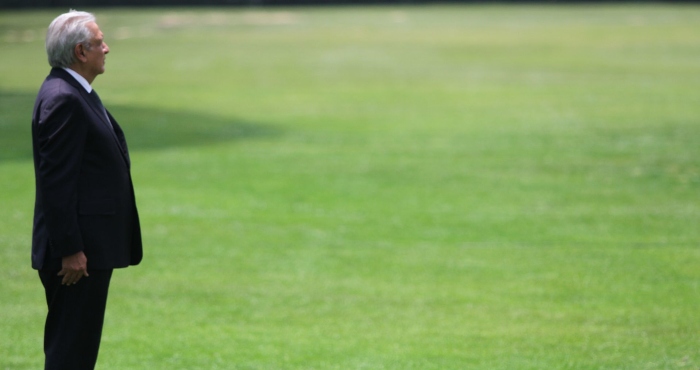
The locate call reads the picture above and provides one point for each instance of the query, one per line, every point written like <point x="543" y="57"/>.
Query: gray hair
<point x="66" y="31"/>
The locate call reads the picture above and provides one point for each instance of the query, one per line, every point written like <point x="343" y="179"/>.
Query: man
<point x="85" y="218"/>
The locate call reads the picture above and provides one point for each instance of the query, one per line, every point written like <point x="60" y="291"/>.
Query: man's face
<point x="95" y="54"/>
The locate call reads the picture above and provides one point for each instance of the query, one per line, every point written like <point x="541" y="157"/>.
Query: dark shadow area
<point x="146" y="129"/>
<point x="15" y="125"/>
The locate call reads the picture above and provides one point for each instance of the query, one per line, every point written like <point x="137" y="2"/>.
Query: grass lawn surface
<point x="441" y="187"/>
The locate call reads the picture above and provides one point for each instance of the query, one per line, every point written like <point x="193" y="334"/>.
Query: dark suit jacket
<point x="84" y="194"/>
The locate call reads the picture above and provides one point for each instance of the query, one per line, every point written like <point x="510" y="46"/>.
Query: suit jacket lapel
<point x="95" y="107"/>
<point x="121" y="140"/>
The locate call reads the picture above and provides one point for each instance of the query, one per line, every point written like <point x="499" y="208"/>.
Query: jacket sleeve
<point x="61" y="129"/>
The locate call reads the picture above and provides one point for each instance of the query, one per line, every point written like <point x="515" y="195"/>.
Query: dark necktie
<point x="96" y="97"/>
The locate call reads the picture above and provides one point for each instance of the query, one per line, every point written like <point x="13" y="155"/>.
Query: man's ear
<point x="80" y="52"/>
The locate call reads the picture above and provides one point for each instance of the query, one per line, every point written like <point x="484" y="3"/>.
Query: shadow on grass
<point x="146" y="129"/>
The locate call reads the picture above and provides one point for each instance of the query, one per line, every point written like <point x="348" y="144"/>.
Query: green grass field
<point x="445" y="187"/>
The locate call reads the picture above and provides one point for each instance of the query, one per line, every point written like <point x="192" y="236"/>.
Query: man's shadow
<point x="145" y="129"/>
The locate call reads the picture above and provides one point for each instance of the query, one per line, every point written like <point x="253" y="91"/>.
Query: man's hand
<point x="74" y="268"/>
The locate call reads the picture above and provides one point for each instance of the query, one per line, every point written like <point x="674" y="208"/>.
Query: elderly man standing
<point x="85" y="218"/>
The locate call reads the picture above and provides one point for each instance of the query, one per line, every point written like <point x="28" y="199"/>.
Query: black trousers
<point x="74" y="322"/>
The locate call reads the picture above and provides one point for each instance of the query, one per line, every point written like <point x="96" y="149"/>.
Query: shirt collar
<point x="83" y="82"/>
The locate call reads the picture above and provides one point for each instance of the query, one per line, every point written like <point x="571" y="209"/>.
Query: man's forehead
<point x="96" y="32"/>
